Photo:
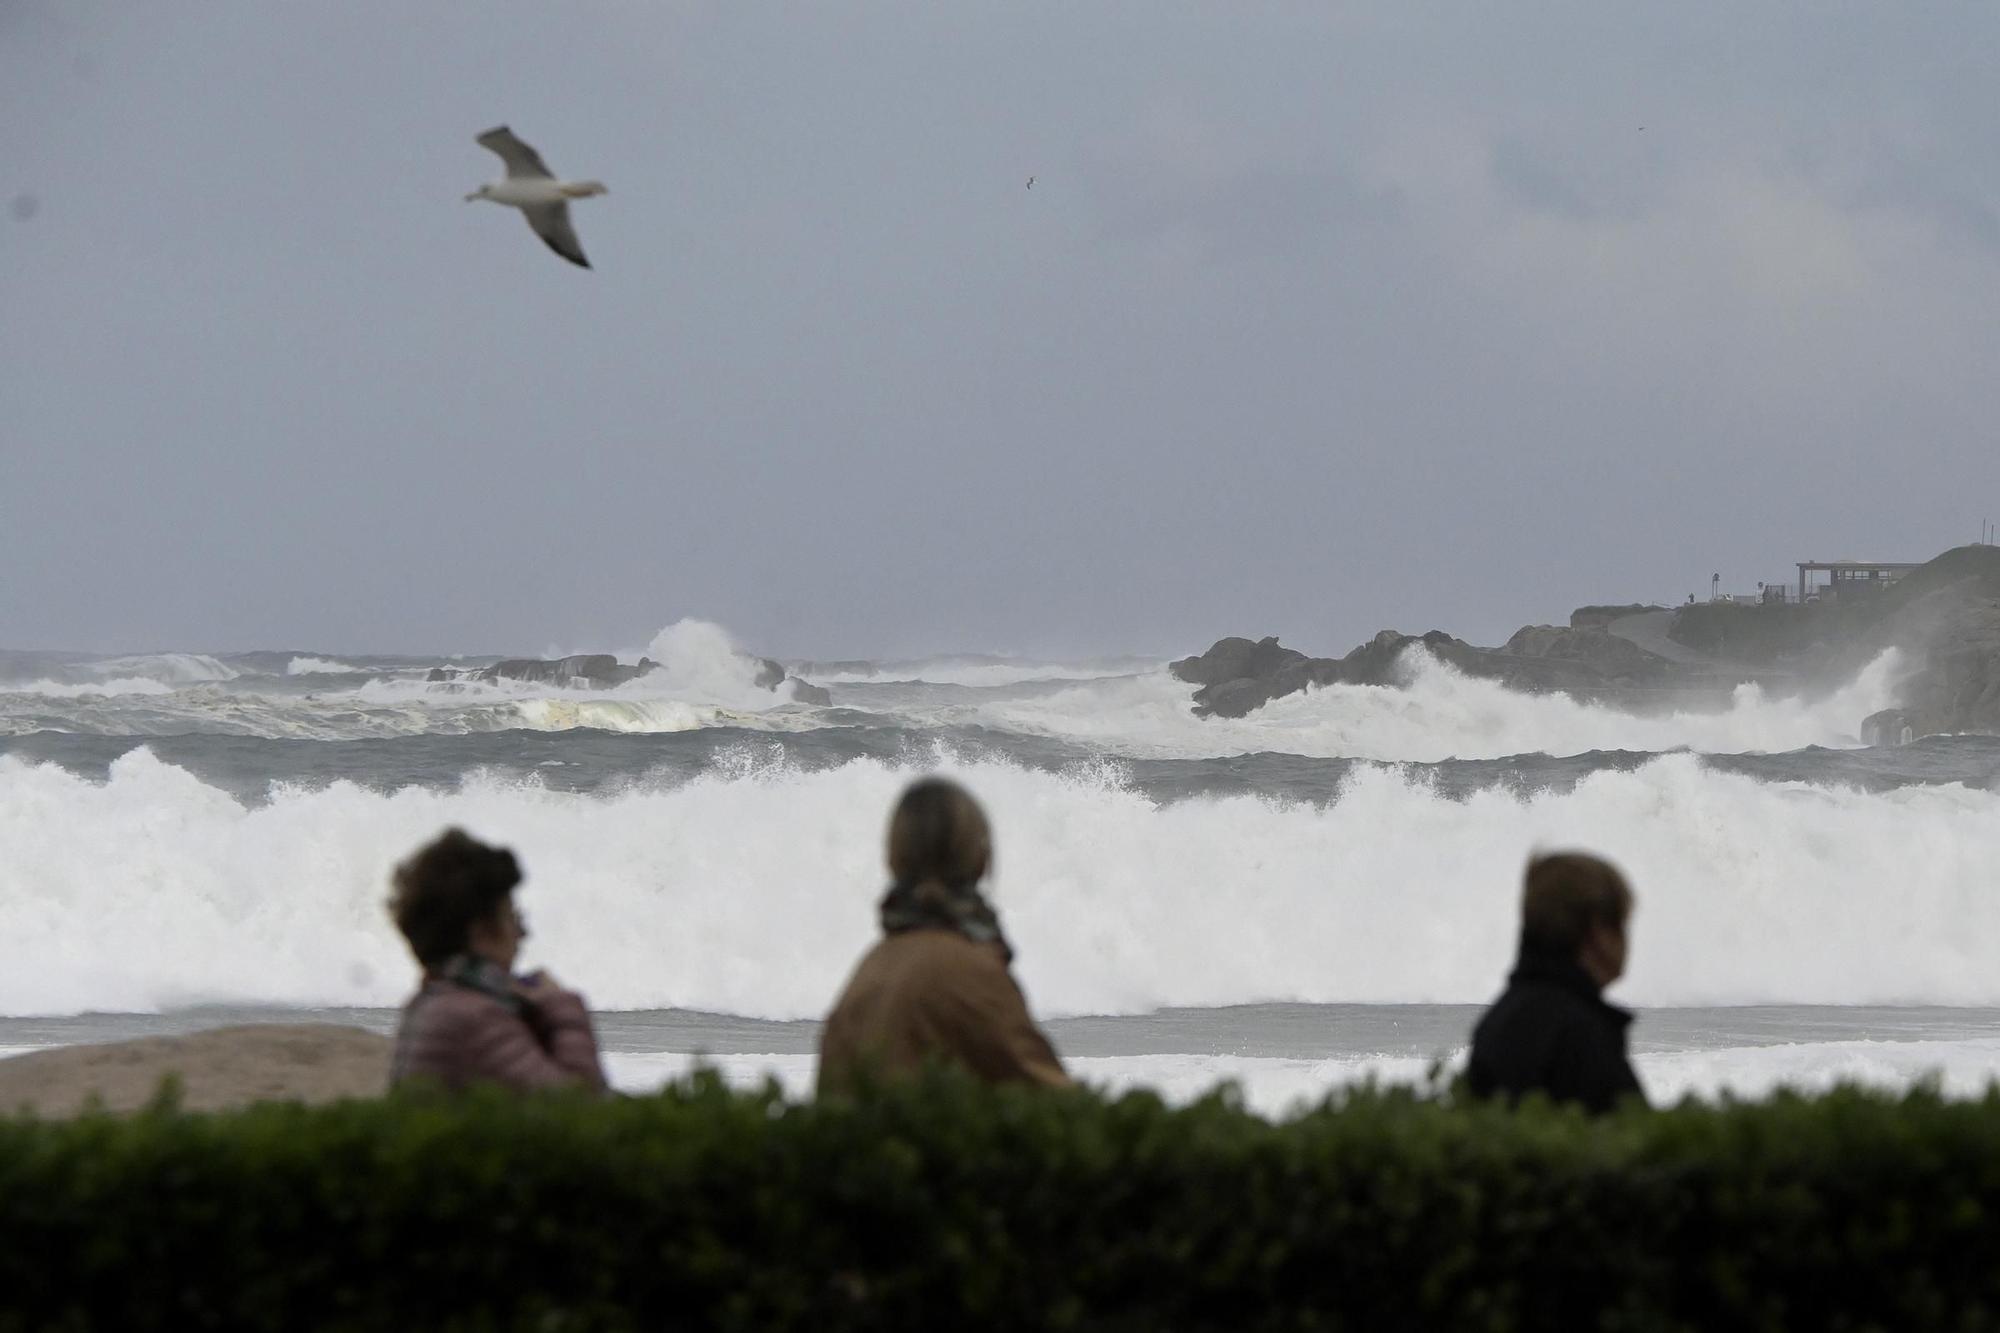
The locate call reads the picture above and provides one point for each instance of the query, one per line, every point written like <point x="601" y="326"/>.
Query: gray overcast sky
<point x="1319" y="318"/>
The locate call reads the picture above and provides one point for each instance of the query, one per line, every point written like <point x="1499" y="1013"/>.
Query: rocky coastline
<point x="1943" y="617"/>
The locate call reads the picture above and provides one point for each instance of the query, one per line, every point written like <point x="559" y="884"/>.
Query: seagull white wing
<point x="521" y="160"/>
<point x="551" y="223"/>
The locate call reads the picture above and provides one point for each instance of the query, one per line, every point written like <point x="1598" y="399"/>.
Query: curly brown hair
<point x="445" y="886"/>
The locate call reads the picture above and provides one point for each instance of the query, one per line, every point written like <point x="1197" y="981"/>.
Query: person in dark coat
<point x="1552" y="1031"/>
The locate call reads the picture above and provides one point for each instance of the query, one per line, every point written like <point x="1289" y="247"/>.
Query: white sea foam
<point x="647" y="717"/>
<point x="319" y="666"/>
<point x="703" y="680"/>
<point x="1276" y="1086"/>
<point x="750" y="888"/>
<point x="170" y="668"/>
<point x="700" y="663"/>
<point x="96" y="689"/>
<point x="980" y="672"/>
<point x="1440" y="713"/>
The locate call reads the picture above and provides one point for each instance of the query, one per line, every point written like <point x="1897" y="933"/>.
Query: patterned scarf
<point x="483" y="975"/>
<point x="473" y="973"/>
<point x="934" y="906"/>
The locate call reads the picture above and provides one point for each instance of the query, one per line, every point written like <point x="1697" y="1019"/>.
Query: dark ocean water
<point x="593" y="762"/>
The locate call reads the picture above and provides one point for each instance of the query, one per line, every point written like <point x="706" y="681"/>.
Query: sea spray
<point x="320" y="666"/>
<point x="1439" y="713"/>
<point x="749" y="888"/>
<point x="96" y="689"/>
<point x="169" y="668"/>
<point x="700" y="663"/>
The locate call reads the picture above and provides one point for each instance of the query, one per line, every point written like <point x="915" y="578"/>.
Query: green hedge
<point x="945" y="1206"/>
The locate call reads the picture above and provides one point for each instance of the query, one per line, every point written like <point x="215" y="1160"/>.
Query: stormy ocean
<point x="1319" y="893"/>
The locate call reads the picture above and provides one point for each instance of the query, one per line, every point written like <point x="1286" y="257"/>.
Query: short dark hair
<point x="445" y="886"/>
<point x="1564" y="896"/>
<point x="939" y="835"/>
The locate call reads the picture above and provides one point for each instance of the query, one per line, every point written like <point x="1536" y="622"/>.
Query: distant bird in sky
<point x="531" y="187"/>
<point x="1031" y="182"/>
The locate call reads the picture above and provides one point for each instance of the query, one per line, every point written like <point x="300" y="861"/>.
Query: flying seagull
<point x="531" y="187"/>
<point x="1031" y="182"/>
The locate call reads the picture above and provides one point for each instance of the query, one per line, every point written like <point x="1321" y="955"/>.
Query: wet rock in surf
<point x="583" y="671"/>
<point x="1952" y="635"/>
<point x="1943" y="616"/>
<point x="1890" y="726"/>
<point x="1238" y="676"/>
<point x="1236" y="659"/>
<point x="596" y="671"/>
<point x="805" y="692"/>
<point x="602" y="671"/>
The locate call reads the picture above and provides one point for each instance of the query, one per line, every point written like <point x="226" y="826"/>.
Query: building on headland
<point x="1845" y="578"/>
<point x="1819" y="580"/>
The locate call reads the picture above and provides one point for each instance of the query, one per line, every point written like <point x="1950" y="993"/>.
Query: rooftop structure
<point x="1845" y="576"/>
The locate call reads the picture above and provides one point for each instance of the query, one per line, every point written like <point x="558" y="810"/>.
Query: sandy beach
<point x="220" y="1068"/>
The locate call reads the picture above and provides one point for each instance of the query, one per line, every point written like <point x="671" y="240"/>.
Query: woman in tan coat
<point x="937" y="985"/>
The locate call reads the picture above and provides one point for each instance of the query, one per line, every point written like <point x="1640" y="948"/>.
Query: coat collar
<point x="470" y="972"/>
<point x="1565" y="974"/>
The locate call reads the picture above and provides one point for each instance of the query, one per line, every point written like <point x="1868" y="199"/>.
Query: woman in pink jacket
<point x="472" y="1020"/>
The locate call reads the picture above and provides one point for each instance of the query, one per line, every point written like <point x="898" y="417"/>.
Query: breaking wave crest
<point x="1440" y="713"/>
<point x="750" y="888"/>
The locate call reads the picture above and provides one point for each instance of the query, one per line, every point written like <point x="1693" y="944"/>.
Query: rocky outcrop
<point x="1890" y="726"/>
<point x="1951" y="636"/>
<point x="1238" y="676"/>
<point x="1601" y="654"/>
<point x="583" y="671"/>
<point x="1944" y="617"/>
<point x="602" y="671"/>
<point x="1236" y="659"/>
<point x="589" y="671"/>
<point x="805" y="692"/>
<point x="1597" y="617"/>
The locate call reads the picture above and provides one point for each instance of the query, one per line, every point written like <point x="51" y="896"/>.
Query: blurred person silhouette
<point x="472" y="1020"/>
<point x="937" y="985"/>
<point x="1552" y="1031"/>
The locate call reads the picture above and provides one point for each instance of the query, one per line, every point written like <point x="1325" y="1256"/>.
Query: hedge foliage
<point x="943" y="1205"/>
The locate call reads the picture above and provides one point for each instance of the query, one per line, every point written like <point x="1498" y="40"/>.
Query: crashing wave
<point x="154" y="889"/>
<point x="167" y="668"/>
